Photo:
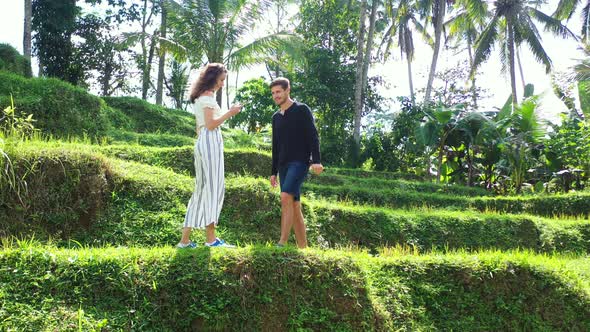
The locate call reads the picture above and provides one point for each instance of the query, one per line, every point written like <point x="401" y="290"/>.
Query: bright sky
<point x="562" y="52"/>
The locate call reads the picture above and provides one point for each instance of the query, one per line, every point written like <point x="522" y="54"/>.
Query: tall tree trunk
<point x="27" y="31"/>
<point x="146" y="55"/>
<point x="162" y="61"/>
<point x="144" y="52"/>
<point x="440" y="159"/>
<point x="469" y="166"/>
<point x="216" y="56"/>
<point x="219" y="96"/>
<point x="473" y="86"/>
<point x="440" y="6"/>
<point x="279" y="18"/>
<point x="269" y="71"/>
<point x="409" y="60"/>
<point x="106" y="79"/>
<point x="441" y="148"/>
<point x="511" y="61"/>
<point x="520" y="68"/>
<point x="365" y="75"/>
<point x="358" y="86"/>
<point x="227" y="92"/>
<point x="148" y="68"/>
<point x="369" y="48"/>
<point x="489" y="172"/>
<point x="428" y="164"/>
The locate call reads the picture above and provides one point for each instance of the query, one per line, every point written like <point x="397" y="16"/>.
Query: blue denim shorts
<point x="291" y="177"/>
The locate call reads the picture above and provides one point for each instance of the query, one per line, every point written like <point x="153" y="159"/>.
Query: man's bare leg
<point x="286" y="216"/>
<point x="299" y="225"/>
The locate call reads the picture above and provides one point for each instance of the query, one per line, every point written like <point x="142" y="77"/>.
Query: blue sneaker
<point x="219" y="243"/>
<point x="191" y="245"/>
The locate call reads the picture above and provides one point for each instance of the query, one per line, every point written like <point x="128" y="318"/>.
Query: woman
<point x="205" y="205"/>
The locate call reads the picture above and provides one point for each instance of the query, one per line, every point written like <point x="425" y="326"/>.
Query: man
<point x="295" y="145"/>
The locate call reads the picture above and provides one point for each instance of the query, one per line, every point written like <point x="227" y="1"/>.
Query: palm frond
<point x="245" y="13"/>
<point x="173" y="5"/>
<point x="585" y="22"/>
<point x="582" y="71"/>
<point x="387" y="39"/>
<point x="477" y="9"/>
<point x="254" y="52"/>
<point x="457" y="23"/>
<point x="406" y="43"/>
<point x="423" y="32"/>
<point x="533" y="40"/>
<point x="526" y="121"/>
<point x="389" y="8"/>
<point x="552" y="24"/>
<point x="485" y="43"/>
<point x="179" y="52"/>
<point x="130" y="38"/>
<point x="504" y="53"/>
<point x="565" y="9"/>
<point x="425" y="9"/>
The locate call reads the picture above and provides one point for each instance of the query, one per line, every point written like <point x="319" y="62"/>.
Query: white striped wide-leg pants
<point x="205" y="205"/>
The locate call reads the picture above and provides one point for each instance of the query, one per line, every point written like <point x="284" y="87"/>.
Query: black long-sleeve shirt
<point x="294" y="137"/>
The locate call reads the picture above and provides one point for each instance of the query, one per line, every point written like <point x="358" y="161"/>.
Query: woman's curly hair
<point x="207" y="79"/>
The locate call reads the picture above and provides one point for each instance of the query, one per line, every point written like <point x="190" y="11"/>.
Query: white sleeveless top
<point x="199" y="109"/>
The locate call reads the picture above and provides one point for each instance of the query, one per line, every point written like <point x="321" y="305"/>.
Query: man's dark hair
<point x="283" y="82"/>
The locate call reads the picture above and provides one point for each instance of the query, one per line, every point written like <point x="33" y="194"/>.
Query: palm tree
<point x="162" y="61"/>
<point x="404" y="21"/>
<point x="438" y="124"/>
<point x="469" y="128"/>
<point x="524" y="135"/>
<point x="581" y="73"/>
<point x="362" y="68"/>
<point x="566" y="9"/>
<point x="582" y="68"/>
<point x="149" y="9"/>
<point x="466" y="25"/>
<point x="177" y="83"/>
<point x="488" y="141"/>
<point x="358" y="85"/>
<point x="511" y="25"/>
<point x="434" y="11"/>
<point x="212" y="28"/>
<point x="280" y="20"/>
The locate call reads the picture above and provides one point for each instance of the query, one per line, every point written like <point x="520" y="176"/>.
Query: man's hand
<point x="317" y="169"/>
<point x="273" y="181"/>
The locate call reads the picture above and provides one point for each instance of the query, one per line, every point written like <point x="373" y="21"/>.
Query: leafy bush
<point x="335" y="225"/>
<point x="575" y="204"/>
<point x="259" y="288"/>
<point x="14" y="125"/>
<point x="149" y="118"/>
<point x="402" y="185"/>
<point x="127" y="203"/>
<point x="52" y="192"/>
<point x="12" y="61"/>
<point x="181" y="159"/>
<point x="148" y="139"/>
<point x="59" y="108"/>
<point x="238" y="139"/>
<point x="259" y="107"/>
<point x="374" y="174"/>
